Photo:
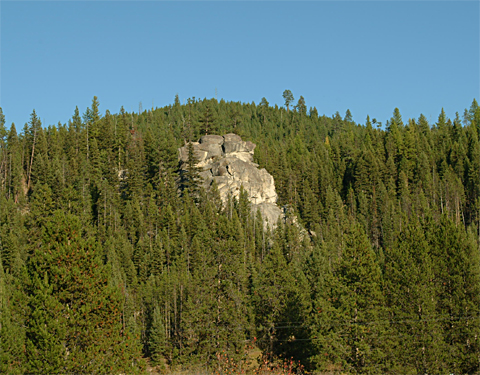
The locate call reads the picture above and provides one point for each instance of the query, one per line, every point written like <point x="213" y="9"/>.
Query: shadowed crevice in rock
<point x="228" y="160"/>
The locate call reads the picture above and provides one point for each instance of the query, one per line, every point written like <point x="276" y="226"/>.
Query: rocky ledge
<point x="228" y="161"/>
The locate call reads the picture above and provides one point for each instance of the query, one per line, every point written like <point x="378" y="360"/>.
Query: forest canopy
<point x="106" y="266"/>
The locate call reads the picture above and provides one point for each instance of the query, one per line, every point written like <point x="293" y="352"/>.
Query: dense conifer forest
<point x="107" y="267"/>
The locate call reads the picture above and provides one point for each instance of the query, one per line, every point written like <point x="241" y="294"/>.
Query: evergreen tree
<point x="359" y="306"/>
<point x="75" y="322"/>
<point x="301" y="107"/>
<point x="288" y="97"/>
<point x="409" y="291"/>
<point x="348" y="116"/>
<point x="3" y="150"/>
<point x="280" y="306"/>
<point x="324" y="342"/>
<point x="457" y="277"/>
<point x="208" y="119"/>
<point x="190" y="176"/>
<point x="12" y="323"/>
<point x="157" y="341"/>
<point x="31" y="134"/>
<point x="474" y="116"/>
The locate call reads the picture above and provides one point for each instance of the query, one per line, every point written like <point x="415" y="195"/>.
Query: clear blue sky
<point x="367" y="56"/>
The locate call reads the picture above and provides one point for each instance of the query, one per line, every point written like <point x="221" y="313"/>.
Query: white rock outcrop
<point x="228" y="160"/>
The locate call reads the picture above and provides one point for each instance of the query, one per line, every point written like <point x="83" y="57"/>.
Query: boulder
<point x="200" y="154"/>
<point x="212" y="149"/>
<point x="212" y="139"/>
<point x="230" y="137"/>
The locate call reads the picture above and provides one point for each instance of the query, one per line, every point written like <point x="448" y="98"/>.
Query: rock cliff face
<point x="228" y="161"/>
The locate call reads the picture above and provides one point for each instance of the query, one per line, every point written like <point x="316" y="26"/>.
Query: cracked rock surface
<point x="228" y="160"/>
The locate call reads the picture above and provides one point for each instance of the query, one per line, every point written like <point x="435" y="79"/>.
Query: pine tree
<point x="325" y="342"/>
<point x="208" y="119"/>
<point x="457" y="277"/>
<point x="3" y="151"/>
<point x="75" y="322"/>
<point x="301" y="107"/>
<point x="474" y="116"/>
<point x="279" y="304"/>
<point x="348" y="116"/>
<point x="409" y="291"/>
<point x="190" y="175"/>
<point x="12" y="323"/>
<point x="16" y="181"/>
<point x="200" y="316"/>
<point x="288" y="97"/>
<point x="157" y="340"/>
<point x="359" y="305"/>
<point x="31" y="134"/>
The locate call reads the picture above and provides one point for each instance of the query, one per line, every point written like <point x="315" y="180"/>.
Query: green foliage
<point x="190" y="177"/>
<point x="12" y="323"/>
<point x="359" y="303"/>
<point x="301" y="107"/>
<point x="409" y="276"/>
<point x="157" y="341"/>
<point x="208" y="119"/>
<point x="288" y="97"/>
<point x="373" y="269"/>
<point x="457" y="276"/>
<point x="74" y="319"/>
